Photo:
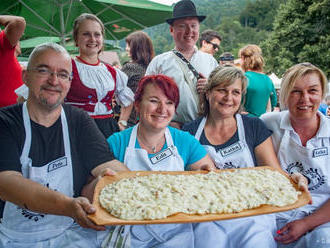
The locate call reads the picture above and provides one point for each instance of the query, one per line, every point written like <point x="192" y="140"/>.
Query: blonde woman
<point x="302" y="142"/>
<point x="260" y="87"/>
<point x="235" y="141"/>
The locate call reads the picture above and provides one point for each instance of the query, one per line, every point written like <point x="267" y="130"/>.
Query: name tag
<point x="56" y="164"/>
<point x="320" y="152"/>
<point x="161" y="156"/>
<point x="230" y="149"/>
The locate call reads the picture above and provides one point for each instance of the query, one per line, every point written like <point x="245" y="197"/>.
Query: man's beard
<point x="50" y="106"/>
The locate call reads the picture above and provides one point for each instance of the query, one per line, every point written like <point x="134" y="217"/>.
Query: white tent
<point x="276" y="81"/>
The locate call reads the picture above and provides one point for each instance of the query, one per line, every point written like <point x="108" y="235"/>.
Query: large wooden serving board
<point x="102" y="217"/>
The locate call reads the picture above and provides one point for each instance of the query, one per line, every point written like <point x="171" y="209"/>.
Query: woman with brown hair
<point x="235" y="141"/>
<point x="140" y="49"/>
<point x="260" y="87"/>
<point x="95" y="83"/>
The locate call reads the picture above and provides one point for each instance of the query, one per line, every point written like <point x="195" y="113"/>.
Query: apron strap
<point x="132" y="139"/>
<point x="168" y="138"/>
<point x="27" y="144"/>
<point x="240" y="128"/>
<point x="66" y="135"/>
<point x="200" y="128"/>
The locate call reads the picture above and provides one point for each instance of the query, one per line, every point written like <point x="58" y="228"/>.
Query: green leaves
<point x="301" y="33"/>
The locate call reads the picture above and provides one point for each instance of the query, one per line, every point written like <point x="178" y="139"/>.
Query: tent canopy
<point x="55" y="17"/>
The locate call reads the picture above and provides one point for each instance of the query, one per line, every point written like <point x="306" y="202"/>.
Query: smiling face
<point x="185" y="33"/>
<point x="305" y="97"/>
<point x="225" y="101"/>
<point x="89" y="38"/>
<point x="48" y="91"/>
<point x="212" y="46"/>
<point x="155" y="109"/>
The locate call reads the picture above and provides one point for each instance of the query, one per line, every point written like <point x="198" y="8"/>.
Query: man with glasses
<point x="48" y="150"/>
<point x="185" y="64"/>
<point x="210" y="42"/>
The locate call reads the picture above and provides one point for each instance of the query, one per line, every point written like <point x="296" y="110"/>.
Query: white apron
<point x="236" y="155"/>
<point x="167" y="235"/>
<point x="22" y="225"/>
<point x="255" y="231"/>
<point x="313" y="163"/>
<point x="167" y="160"/>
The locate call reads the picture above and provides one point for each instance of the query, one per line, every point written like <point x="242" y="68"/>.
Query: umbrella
<point x="276" y="81"/>
<point x="55" y="17"/>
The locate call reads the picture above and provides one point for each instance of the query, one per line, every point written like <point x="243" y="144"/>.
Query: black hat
<point x="183" y="9"/>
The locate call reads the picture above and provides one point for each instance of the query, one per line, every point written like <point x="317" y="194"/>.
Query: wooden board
<point x="102" y="217"/>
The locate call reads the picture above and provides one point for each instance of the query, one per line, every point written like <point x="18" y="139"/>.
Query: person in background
<point x="94" y="83"/>
<point x="48" y="150"/>
<point x="185" y="64"/>
<point x="116" y="64"/>
<point x="324" y="106"/>
<point x="140" y="49"/>
<point x="210" y="42"/>
<point x="10" y="69"/>
<point x="226" y="59"/>
<point x="260" y="88"/>
<point x="153" y="145"/>
<point x="302" y="143"/>
<point x="327" y="102"/>
<point x="235" y="141"/>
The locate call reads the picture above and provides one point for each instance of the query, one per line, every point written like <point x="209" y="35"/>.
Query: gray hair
<point x="222" y="76"/>
<point x="295" y="73"/>
<point x="46" y="46"/>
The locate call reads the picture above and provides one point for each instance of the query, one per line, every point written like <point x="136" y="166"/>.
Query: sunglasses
<point x="215" y="46"/>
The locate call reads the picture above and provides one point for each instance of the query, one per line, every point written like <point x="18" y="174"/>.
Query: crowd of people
<point x="190" y="110"/>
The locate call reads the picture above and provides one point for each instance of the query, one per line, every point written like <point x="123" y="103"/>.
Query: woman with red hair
<point x="152" y="145"/>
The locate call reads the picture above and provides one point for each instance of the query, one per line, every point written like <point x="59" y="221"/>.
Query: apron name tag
<point x="230" y="149"/>
<point x="320" y="152"/>
<point x="161" y="156"/>
<point x="56" y="164"/>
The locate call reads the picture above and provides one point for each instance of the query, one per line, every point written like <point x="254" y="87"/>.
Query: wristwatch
<point x="123" y="123"/>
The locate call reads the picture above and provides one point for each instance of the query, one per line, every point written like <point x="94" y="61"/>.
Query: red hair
<point x="165" y="83"/>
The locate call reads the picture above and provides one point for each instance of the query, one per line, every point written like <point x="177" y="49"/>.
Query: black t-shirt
<point x="256" y="132"/>
<point x="88" y="146"/>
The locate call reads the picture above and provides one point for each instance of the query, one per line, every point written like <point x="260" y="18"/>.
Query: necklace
<point x="85" y="62"/>
<point x="152" y="148"/>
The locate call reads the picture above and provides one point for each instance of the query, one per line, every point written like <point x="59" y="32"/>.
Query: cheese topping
<point x="157" y="196"/>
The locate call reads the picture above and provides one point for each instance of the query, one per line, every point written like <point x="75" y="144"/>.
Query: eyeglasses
<point x="44" y="72"/>
<point x="215" y="46"/>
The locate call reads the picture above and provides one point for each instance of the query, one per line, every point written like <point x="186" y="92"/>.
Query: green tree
<point x="260" y="14"/>
<point x="301" y="33"/>
<point x="236" y="36"/>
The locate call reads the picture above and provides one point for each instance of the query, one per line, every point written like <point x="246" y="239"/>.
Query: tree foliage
<point x="301" y="33"/>
<point x="260" y="14"/>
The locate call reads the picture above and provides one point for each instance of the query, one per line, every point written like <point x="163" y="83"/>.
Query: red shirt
<point x="10" y="72"/>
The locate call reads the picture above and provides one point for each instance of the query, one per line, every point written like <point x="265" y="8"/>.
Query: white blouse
<point x="99" y="78"/>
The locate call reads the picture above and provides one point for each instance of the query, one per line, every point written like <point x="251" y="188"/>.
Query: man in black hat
<point x="185" y="64"/>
